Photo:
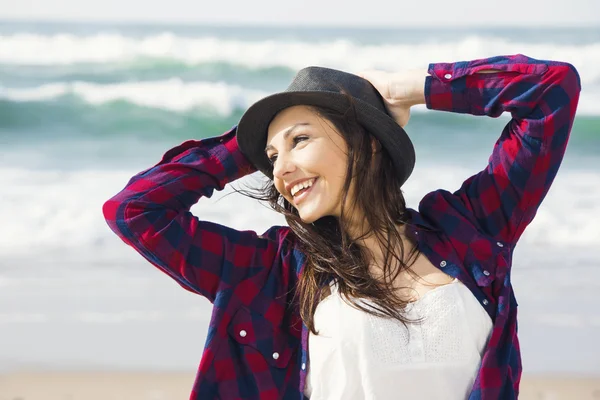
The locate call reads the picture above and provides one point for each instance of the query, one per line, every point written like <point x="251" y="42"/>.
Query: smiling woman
<point x="359" y="297"/>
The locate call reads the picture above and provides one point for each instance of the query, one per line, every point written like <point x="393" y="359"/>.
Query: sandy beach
<point x="172" y="385"/>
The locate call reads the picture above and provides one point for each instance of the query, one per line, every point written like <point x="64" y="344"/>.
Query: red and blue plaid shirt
<point x="257" y="344"/>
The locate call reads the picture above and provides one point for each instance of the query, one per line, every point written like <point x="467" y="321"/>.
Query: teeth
<point x="301" y="185"/>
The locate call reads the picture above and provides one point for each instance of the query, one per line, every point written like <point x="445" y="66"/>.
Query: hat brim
<point x="253" y="126"/>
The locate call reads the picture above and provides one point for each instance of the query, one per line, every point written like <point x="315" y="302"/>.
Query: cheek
<point x="309" y="158"/>
<point x="335" y="167"/>
<point x="279" y="186"/>
<point x="318" y="159"/>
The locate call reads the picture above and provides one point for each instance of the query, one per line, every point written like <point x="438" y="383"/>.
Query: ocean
<point x="83" y="107"/>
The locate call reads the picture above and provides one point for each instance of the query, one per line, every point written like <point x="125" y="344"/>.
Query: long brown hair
<point x="331" y="254"/>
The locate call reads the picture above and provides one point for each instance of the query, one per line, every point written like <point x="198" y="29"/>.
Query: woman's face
<point x="309" y="159"/>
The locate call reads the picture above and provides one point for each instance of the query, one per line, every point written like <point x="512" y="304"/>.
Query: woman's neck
<point x="375" y="249"/>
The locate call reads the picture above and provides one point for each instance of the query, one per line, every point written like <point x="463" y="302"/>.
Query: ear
<point x="375" y="145"/>
<point x="375" y="150"/>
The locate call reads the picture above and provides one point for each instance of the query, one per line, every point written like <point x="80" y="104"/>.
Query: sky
<point x="373" y="13"/>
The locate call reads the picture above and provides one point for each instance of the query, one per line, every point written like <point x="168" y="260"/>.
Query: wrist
<point x="408" y="87"/>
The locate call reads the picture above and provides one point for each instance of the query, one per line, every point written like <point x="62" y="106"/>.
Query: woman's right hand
<point x="400" y="90"/>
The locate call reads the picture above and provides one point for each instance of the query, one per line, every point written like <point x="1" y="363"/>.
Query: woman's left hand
<point x="400" y="90"/>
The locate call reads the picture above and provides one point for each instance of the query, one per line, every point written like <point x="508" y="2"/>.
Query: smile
<point x="301" y="190"/>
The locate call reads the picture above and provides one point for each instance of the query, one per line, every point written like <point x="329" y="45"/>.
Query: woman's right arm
<point x="152" y="214"/>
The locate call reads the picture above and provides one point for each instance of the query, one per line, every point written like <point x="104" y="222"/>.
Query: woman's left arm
<point x="542" y="98"/>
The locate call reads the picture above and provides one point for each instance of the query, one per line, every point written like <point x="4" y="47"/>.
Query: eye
<point x="295" y="141"/>
<point x="300" y="138"/>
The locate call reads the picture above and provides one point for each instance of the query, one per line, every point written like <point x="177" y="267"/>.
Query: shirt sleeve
<point x="152" y="215"/>
<point x="542" y="98"/>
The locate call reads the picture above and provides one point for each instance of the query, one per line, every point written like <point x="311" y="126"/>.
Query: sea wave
<point x="102" y="48"/>
<point x="171" y="94"/>
<point x="142" y="70"/>
<point x="175" y="94"/>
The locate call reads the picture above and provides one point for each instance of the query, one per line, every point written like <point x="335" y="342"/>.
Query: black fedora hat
<point x="328" y="88"/>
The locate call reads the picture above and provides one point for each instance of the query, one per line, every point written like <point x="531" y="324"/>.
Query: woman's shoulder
<point x="446" y="213"/>
<point x="287" y="242"/>
<point x="279" y="234"/>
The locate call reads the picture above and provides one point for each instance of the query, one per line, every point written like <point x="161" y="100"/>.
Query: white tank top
<point x="360" y="356"/>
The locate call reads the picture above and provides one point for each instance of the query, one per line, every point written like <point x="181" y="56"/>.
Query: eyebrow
<point x="287" y="133"/>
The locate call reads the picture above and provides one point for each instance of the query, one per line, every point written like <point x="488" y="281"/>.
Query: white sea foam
<point x="178" y="96"/>
<point x="62" y="210"/>
<point x="172" y="94"/>
<point x="62" y="49"/>
<point x="23" y="318"/>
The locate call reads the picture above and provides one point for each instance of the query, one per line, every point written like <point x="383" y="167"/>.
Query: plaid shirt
<point x="257" y="344"/>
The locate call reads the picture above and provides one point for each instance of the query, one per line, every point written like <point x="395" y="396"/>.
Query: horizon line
<point x="267" y="24"/>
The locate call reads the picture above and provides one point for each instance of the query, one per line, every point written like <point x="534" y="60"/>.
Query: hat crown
<point x="320" y="79"/>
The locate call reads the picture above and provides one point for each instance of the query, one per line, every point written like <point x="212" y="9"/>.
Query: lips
<point x="290" y="186"/>
<point x="300" y="196"/>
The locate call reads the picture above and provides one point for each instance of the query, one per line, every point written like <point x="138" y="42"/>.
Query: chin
<point x="312" y="211"/>
<point x="308" y="217"/>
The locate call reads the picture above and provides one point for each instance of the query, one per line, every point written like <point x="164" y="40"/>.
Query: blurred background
<point x="93" y="92"/>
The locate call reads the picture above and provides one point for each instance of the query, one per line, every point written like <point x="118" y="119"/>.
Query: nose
<point x="283" y="165"/>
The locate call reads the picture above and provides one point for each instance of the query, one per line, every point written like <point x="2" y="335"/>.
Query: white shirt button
<point x="275" y="356"/>
<point x="443" y="264"/>
<point x="486" y="272"/>
<point x="243" y="333"/>
<point x="448" y="76"/>
<point x="303" y="366"/>
<point x="499" y="244"/>
<point x="485" y="302"/>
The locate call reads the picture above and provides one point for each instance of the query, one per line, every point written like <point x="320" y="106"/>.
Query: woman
<point x="389" y="302"/>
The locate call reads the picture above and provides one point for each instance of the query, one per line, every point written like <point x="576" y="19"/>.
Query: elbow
<point x="562" y="86"/>
<point x="110" y="210"/>
<point x="128" y="215"/>
<point x="572" y="76"/>
<point x="567" y="76"/>
<point x="115" y="215"/>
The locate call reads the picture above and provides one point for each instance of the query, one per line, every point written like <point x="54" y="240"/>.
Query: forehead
<point x="295" y="115"/>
